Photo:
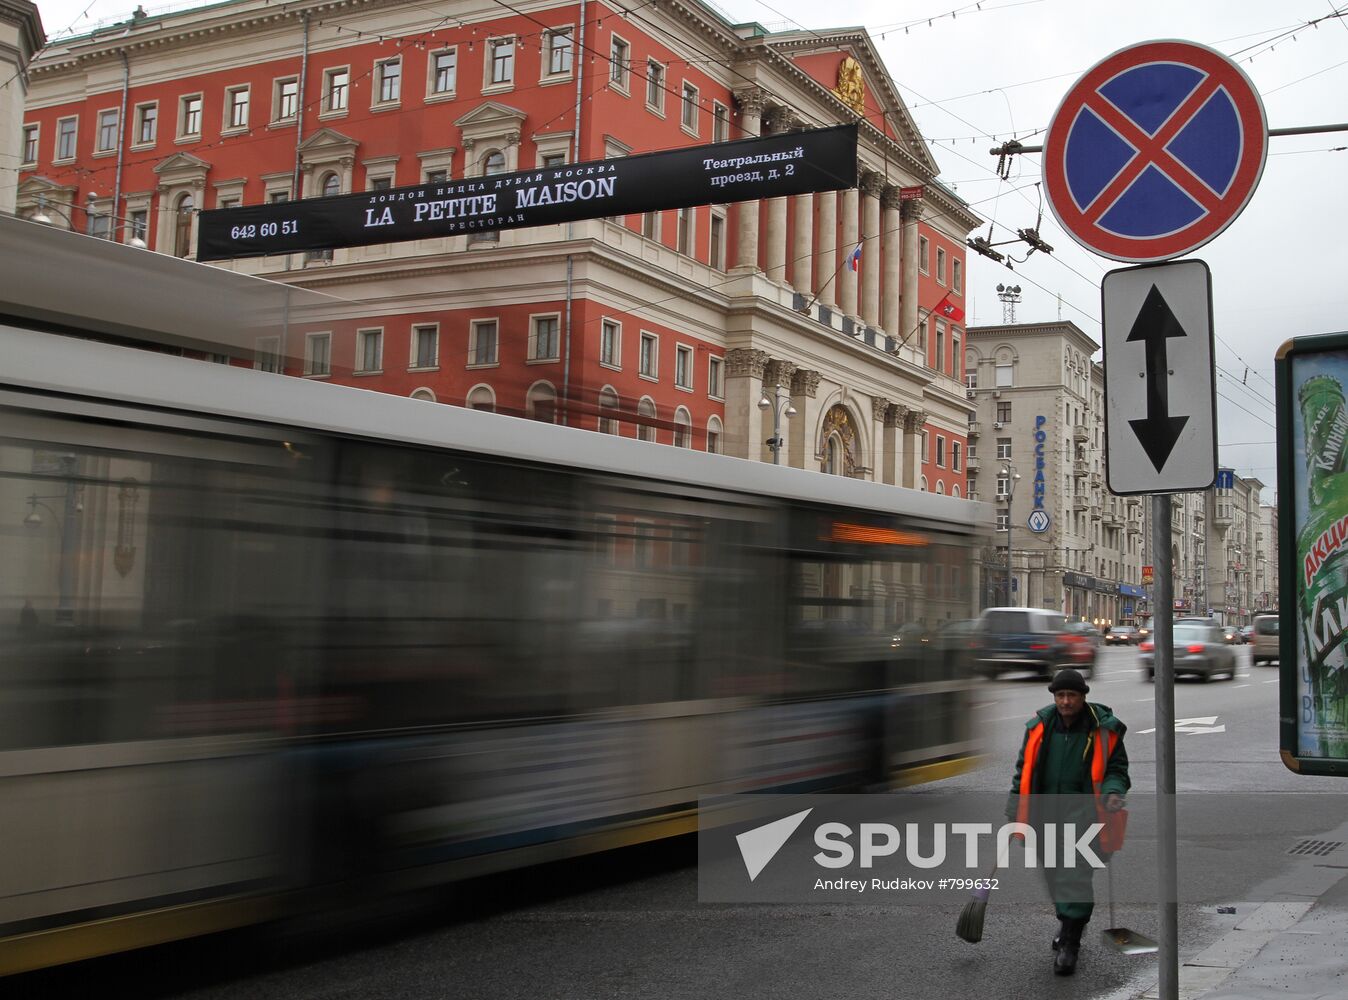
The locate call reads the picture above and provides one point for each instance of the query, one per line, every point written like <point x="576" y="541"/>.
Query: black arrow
<point x="1158" y="432"/>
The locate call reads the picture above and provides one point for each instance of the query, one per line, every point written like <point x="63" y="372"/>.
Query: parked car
<point x="1121" y="635"/>
<point x="1036" y="639"/>
<point x="1199" y="648"/>
<point x="1266" y="649"/>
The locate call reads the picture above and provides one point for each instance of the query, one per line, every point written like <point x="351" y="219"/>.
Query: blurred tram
<point x="262" y="636"/>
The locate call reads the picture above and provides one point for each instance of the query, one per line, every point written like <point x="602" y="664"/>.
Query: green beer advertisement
<point x="1313" y="577"/>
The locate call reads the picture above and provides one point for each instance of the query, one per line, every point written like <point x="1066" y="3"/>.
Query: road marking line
<point x="1274" y="681"/>
<point x="1152" y="698"/>
<point x="1240" y="686"/>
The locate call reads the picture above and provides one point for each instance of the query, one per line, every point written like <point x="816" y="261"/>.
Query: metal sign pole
<point x="1167" y="868"/>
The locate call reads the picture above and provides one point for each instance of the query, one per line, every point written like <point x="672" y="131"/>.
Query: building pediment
<point x="182" y="168"/>
<point x="493" y="115"/>
<point x="328" y="142"/>
<point x="36" y="186"/>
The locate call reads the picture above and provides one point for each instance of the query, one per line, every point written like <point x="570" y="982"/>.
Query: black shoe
<point x="1068" y="944"/>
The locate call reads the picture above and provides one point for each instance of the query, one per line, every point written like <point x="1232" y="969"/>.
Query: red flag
<point x="949" y="310"/>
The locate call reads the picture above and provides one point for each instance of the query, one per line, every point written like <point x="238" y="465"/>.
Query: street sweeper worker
<point x="1071" y="748"/>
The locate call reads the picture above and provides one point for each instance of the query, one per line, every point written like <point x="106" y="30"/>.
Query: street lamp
<point x="41" y="216"/>
<point x="65" y="610"/>
<point x="1010" y="475"/>
<point x="775" y="404"/>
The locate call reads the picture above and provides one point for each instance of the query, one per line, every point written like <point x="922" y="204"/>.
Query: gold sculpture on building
<point x="851" y="87"/>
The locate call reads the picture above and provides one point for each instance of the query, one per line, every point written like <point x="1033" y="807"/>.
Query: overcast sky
<point x="986" y="74"/>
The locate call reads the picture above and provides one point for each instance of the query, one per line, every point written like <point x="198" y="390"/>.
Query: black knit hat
<point x="1068" y="680"/>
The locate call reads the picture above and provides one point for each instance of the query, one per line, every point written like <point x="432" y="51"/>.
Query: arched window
<point x="332" y="184"/>
<point x="923" y="486"/>
<point x="646" y="419"/>
<point x="541" y="403"/>
<point x="940" y="487"/>
<point x="494" y="163"/>
<point x="425" y="394"/>
<point x="833" y="455"/>
<point x="955" y="490"/>
<point x="608" y="409"/>
<point x="182" y="233"/>
<point x="714" y="435"/>
<point x="683" y="428"/>
<point x="481" y="398"/>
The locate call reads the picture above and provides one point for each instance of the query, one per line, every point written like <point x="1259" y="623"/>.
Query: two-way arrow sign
<point x="1160" y="384"/>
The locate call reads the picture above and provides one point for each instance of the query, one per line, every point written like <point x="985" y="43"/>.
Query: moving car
<point x="1200" y="648"/>
<point x="1247" y="633"/>
<point x="1121" y="635"/>
<point x="1266" y="648"/>
<point x="1034" y="639"/>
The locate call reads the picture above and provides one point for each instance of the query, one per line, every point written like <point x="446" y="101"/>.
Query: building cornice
<point x="24" y="15"/>
<point x="1011" y="331"/>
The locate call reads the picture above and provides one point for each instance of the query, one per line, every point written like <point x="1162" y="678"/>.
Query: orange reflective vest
<point x="1103" y="742"/>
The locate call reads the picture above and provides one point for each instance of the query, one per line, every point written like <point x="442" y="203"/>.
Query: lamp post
<point x="1011" y="475"/>
<point x="778" y="404"/>
<point x="41" y="216"/>
<point x="65" y="610"/>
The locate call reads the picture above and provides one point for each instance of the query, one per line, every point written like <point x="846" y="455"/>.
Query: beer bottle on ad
<point x="1322" y="565"/>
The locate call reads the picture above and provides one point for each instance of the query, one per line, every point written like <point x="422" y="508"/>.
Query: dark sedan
<point x="1200" y="649"/>
<point x="1122" y="635"/>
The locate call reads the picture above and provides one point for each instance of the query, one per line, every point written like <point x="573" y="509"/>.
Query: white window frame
<point x="278" y="100"/>
<point x="310" y="339"/>
<point x="690" y="98"/>
<point x="715" y="377"/>
<point x="617" y="362"/>
<point x="100" y="126"/>
<point x="331" y="110"/>
<point x="607" y="423"/>
<point x="716" y="244"/>
<point x="1003" y="449"/>
<point x="267" y="355"/>
<point x="74" y="139"/>
<point x="720" y="122"/>
<point x="685" y="231"/>
<point x="415" y="339"/>
<point x="1003" y="519"/>
<point x="620" y="64"/>
<point x="227" y="124"/>
<point x="647" y="337"/>
<point x="683" y="428"/>
<point x="552" y="52"/>
<point x="940" y="346"/>
<point x="940" y="265"/>
<point x="380" y="77"/>
<point x="684" y="353"/>
<point x="433" y="93"/>
<point x="362" y="337"/>
<point x="184" y="117"/>
<point x="491" y="85"/>
<point x="647" y="431"/>
<point x="955" y="457"/>
<point x="1008" y="371"/>
<point x="474" y="328"/>
<point x="714" y="427"/>
<point x="138" y="125"/>
<point x="32" y="140"/>
<point x="479" y="388"/>
<point x="940" y="451"/>
<point x="957" y="275"/>
<point x="656" y="74"/>
<point x="534" y="322"/>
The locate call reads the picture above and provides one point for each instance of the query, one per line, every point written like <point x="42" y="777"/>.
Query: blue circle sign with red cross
<point x="1155" y="151"/>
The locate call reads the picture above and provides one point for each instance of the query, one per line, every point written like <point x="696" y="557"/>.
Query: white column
<point x="889" y="309"/>
<point x="871" y="263"/>
<point x="826" y="251"/>
<point x="802" y="245"/>
<point x="913" y="422"/>
<point x="751" y="121"/>
<point x="775" y="256"/>
<point x="910" y="213"/>
<point x="744" y="434"/>
<point x="847" y="278"/>
<point x="805" y="398"/>
<point x="778" y="373"/>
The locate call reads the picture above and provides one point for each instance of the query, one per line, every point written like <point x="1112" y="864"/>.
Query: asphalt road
<point x="629" y="924"/>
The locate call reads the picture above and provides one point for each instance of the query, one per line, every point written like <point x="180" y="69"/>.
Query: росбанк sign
<point x="743" y="170"/>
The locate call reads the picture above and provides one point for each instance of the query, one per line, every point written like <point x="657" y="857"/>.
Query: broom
<point x="970" y="925"/>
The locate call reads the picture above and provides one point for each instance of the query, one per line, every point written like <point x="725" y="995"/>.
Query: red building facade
<point x="670" y="326"/>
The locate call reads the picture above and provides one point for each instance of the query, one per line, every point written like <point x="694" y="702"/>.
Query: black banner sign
<point x="744" y="170"/>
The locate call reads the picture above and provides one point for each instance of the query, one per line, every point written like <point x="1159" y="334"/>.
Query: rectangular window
<point x="1003" y="519"/>
<point x="30" y="138"/>
<point x="716" y="253"/>
<point x="1003" y="448"/>
<point x="688" y="117"/>
<point x="560" y="52"/>
<point x="502" y="61"/>
<point x="318" y="354"/>
<point x="684" y="237"/>
<point x="189" y="116"/>
<point x="437" y="176"/>
<point x="1003" y="413"/>
<point x="100" y="226"/>
<point x="369" y="350"/>
<point x="940" y="451"/>
<point x="713" y="441"/>
<point x="267" y="355"/>
<point x="278" y="197"/>
<point x="389" y="75"/>
<point x="482" y="349"/>
<point x="1003" y="376"/>
<point x="957" y="275"/>
<point x="618" y="54"/>
<point x="923" y="254"/>
<point x="1003" y="486"/>
<point x="940" y="265"/>
<point x="147" y="124"/>
<point x="545" y="341"/>
<point x="940" y="346"/>
<point x="922" y="336"/>
<point x="336" y="86"/>
<point x="139" y="220"/>
<point x="107" y="131"/>
<point x="287" y="102"/>
<point x="425" y="346"/>
<point x="683" y="367"/>
<point x="444" y="71"/>
<point x="714" y="367"/>
<point x="971" y="380"/>
<point x="648" y="361"/>
<point x="65" y="138"/>
<point x="649" y="225"/>
<point x="720" y="122"/>
<point x="956" y="359"/>
<point x="655" y="86"/>
<point x="381" y="183"/>
<point x="610" y="340"/>
<point x="236" y="103"/>
<point x="553" y="160"/>
<point x="955" y="456"/>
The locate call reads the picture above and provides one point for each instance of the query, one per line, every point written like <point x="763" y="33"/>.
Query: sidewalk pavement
<point x="1291" y="949"/>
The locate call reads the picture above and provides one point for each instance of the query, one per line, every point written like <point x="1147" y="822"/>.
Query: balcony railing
<point x="975" y="428"/>
<point x="1080" y="432"/>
